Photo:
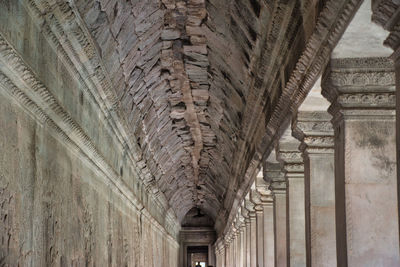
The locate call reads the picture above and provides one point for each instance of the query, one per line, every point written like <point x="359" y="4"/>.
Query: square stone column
<point x="238" y="258"/>
<point x="362" y="94"/>
<point x="245" y="214"/>
<point x="242" y="230"/>
<point x="220" y="252"/>
<point x="256" y="200"/>
<point x="227" y="252"/>
<point x="267" y="205"/>
<point x="253" y="231"/>
<point x="288" y="152"/>
<point x="315" y="131"/>
<point x="385" y="13"/>
<point x="275" y="176"/>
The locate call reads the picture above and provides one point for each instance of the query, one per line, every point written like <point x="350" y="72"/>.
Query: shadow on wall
<point x="196" y="218"/>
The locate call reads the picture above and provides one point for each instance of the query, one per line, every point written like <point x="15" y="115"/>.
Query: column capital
<point x="255" y="198"/>
<point x="244" y="211"/>
<point x="239" y="222"/>
<point x="315" y="131"/>
<point x="263" y="189"/>
<point x="250" y="207"/>
<point x="360" y="87"/>
<point x="220" y="244"/>
<point x="274" y="175"/>
<point x="289" y="154"/>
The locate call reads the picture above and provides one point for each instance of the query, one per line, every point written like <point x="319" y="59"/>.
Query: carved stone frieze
<point x="319" y="141"/>
<point x="278" y="187"/>
<point x="314" y="127"/>
<point x="68" y="35"/>
<point x="359" y="84"/>
<point x="368" y="100"/>
<point x="255" y="198"/>
<point x="274" y="175"/>
<point x="294" y="168"/>
<point x="250" y="208"/>
<point x="315" y="131"/>
<point x="291" y="156"/>
<point x="21" y="83"/>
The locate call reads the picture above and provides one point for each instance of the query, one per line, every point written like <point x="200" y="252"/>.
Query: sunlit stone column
<point x="362" y="94"/>
<point x="230" y="240"/>
<point x="245" y="214"/>
<point x="236" y="253"/>
<point x="289" y="153"/>
<point x="253" y="231"/>
<point x="314" y="129"/>
<point x="220" y="252"/>
<point x="242" y="230"/>
<point x="256" y="200"/>
<point x="226" y="252"/>
<point x="275" y="176"/>
<point x="267" y="204"/>
<point x="223" y="255"/>
<point x="385" y="13"/>
<point x="233" y="247"/>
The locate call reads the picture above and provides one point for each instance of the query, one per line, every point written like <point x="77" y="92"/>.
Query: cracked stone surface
<point x="198" y="80"/>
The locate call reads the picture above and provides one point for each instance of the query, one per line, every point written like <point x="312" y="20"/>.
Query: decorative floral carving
<point x="361" y="79"/>
<point x="319" y="141"/>
<point x="315" y="126"/>
<point x="368" y="100"/>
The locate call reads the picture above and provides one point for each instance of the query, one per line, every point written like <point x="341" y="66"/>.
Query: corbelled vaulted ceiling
<point x="198" y="81"/>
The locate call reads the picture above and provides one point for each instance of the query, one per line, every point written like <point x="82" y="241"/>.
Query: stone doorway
<point x="197" y="255"/>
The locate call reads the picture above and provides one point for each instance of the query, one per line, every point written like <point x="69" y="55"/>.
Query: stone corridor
<point x="187" y="133"/>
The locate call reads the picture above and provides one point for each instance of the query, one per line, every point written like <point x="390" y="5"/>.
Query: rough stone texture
<point x="315" y="132"/>
<point x="362" y="94"/>
<point x="293" y="163"/>
<point x="71" y="193"/>
<point x="55" y="209"/>
<point x="191" y="77"/>
<point x="333" y="17"/>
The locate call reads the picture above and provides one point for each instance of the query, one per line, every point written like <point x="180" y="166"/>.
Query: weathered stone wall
<point x="71" y="194"/>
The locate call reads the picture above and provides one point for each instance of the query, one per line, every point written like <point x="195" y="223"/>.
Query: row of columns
<point x="328" y="194"/>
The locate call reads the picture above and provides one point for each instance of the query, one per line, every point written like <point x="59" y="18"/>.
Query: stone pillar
<point x="362" y="94"/>
<point x="220" y="253"/>
<point x="256" y="200"/>
<point x="290" y="155"/>
<point x="223" y="255"/>
<point x="267" y="205"/>
<point x="246" y="217"/>
<point x="276" y="178"/>
<point x="253" y="232"/>
<point x="242" y="240"/>
<point x="230" y="244"/>
<point x="315" y="131"/>
<point x="385" y="13"/>
<point x="226" y="253"/>
<point x="237" y="242"/>
<point x="233" y="251"/>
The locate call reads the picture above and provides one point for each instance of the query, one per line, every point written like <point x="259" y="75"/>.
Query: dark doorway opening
<point x="197" y="256"/>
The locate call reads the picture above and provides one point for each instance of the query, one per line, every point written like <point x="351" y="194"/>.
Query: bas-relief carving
<point x="98" y="84"/>
<point x="358" y="84"/>
<point x="86" y="249"/>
